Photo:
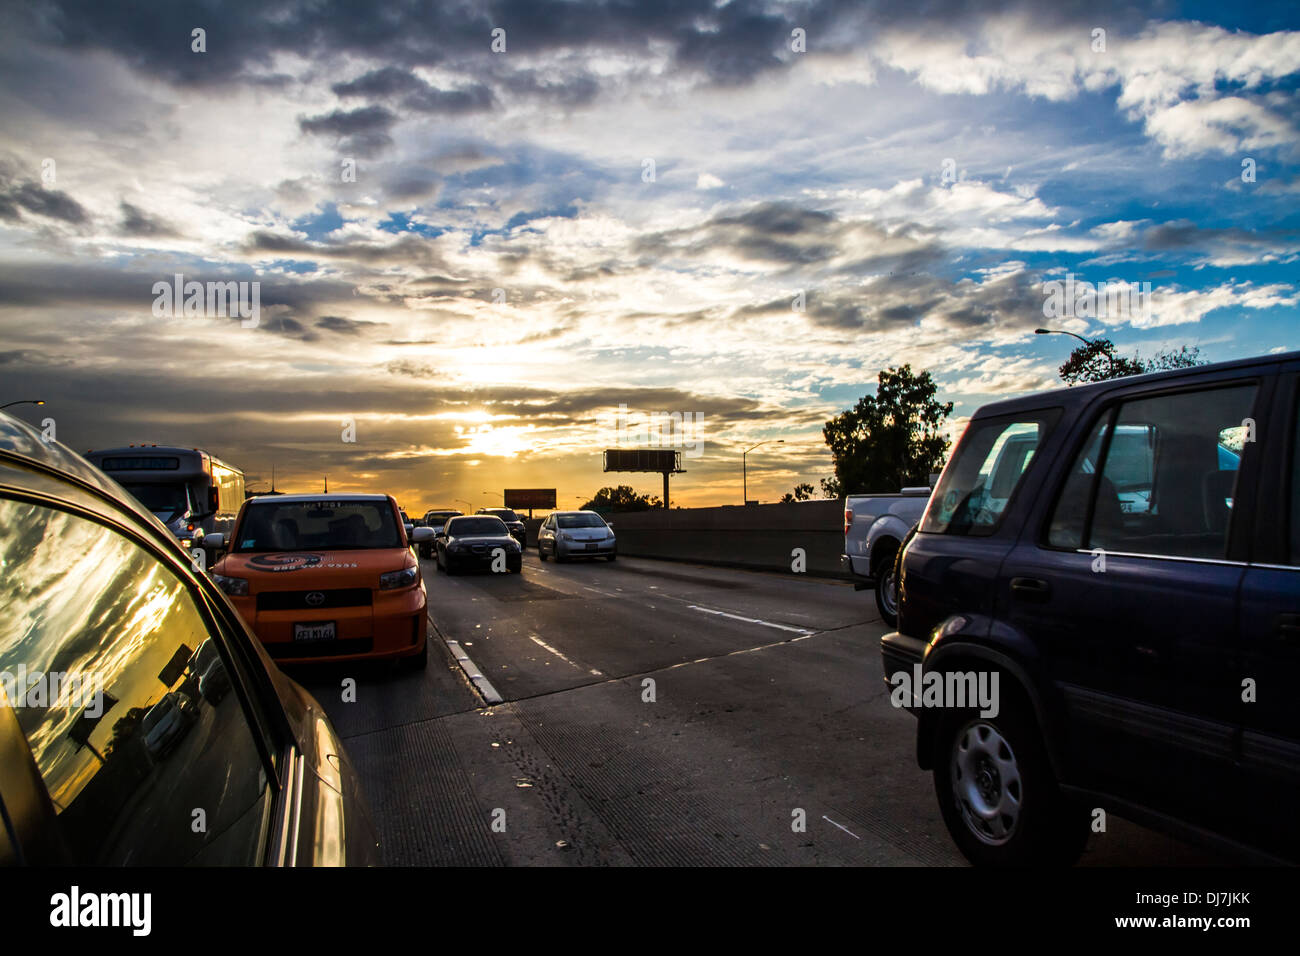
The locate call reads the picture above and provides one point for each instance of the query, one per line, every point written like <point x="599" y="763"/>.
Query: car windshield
<point x="162" y="500"/>
<point x="313" y="525"/>
<point x="482" y="525"/>
<point x="580" y="521"/>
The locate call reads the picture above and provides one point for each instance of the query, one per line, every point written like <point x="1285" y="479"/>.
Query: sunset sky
<point x="917" y="172"/>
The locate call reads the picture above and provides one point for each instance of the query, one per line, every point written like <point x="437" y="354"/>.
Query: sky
<point x="479" y="231"/>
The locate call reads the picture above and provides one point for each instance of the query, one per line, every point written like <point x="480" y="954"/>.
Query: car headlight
<point x="398" y="579"/>
<point x="235" y="587"/>
<point x="565" y="536"/>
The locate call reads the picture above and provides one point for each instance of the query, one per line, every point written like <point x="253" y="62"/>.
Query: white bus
<point x="192" y="492"/>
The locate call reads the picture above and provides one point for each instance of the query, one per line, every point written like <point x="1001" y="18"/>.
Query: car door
<point x="1125" y="584"/>
<point x="96" y="632"/>
<point x="952" y="561"/>
<point x="1270" y="635"/>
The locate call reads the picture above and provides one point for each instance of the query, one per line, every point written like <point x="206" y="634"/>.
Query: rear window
<point x="477" y="525"/>
<point x="314" y="525"/>
<point x="986" y="470"/>
<point x="580" y="521"/>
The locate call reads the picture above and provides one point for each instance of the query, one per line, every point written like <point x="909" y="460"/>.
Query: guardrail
<point x="758" y="536"/>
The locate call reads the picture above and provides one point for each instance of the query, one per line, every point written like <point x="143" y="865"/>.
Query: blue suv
<point x="1116" y="568"/>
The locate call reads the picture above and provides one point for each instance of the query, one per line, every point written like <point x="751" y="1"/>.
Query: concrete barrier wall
<point x="757" y="536"/>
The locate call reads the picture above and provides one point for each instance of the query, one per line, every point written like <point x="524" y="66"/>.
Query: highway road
<point x="652" y="713"/>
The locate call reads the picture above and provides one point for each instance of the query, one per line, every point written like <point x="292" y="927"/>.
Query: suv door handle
<point x="1031" y="589"/>
<point x="1288" y="628"/>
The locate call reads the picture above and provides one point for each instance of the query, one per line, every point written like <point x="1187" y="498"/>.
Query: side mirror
<point x="214" y="542"/>
<point x="609" y="525"/>
<point x="421" y="535"/>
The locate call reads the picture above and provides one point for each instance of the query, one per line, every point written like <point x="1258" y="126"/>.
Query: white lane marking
<point x="845" y="829"/>
<point x="751" y="620"/>
<point x="541" y="643"/>
<point x="481" y="684"/>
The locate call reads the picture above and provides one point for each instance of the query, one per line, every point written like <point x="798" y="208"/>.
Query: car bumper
<point x="394" y="627"/>
<point x="856" y="568"/>
<point x="579" y="549"/>
<point x="900" y="654"/>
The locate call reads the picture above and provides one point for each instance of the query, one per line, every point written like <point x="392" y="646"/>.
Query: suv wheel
<point x="999" y="798"/>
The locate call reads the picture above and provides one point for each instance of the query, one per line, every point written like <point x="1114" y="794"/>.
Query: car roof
<point x="24" y="451"/>
<point x="585" y="511"/>
<point x="291" y="499"/>
<point x="1082" y="394"/>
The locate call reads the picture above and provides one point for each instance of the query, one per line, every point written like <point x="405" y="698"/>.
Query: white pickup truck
<point x="874" y="527"/>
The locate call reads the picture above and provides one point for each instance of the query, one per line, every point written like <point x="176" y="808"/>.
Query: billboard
<point x="643" y="459"/>
<point x="529" y="498"/>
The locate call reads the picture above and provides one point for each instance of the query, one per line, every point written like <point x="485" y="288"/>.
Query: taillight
<point x="848" y="520"/>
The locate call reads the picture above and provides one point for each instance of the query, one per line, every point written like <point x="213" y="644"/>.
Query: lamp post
<point x="744" y="467"/>
<point x="1109" y="358"/>
<point x="24" y="401"/>
<point x="462" y="501"/>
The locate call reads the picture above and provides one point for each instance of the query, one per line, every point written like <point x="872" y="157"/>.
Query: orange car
<point x="326" y="577"/>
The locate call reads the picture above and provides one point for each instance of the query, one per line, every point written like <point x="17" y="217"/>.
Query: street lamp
<point x="25" y="401"/>
<point x="462" y="501"/>
<point x="744" y="467"/>
<point x="1109" y="358"/>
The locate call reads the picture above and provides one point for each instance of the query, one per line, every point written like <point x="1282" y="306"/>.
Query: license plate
<point x="324" y="631"/>
<point x="592" y="545"/>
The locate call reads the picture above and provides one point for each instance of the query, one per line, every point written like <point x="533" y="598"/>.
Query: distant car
<point x="327" y="577"/>
<point x="513" y="522"/>
<point x="273" y="778"/>
<point x="576" y="534"/>
<point x="165" y="724"/>
<point x="1113" y="570"/>
<point x="434" y="520"/>
<point x="477" y="541"/>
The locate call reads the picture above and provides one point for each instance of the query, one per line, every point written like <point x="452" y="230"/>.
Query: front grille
<point x="351" y="645"/>
<point x="298" y="600"/>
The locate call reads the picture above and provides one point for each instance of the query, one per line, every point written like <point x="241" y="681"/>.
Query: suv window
<point x="1167" y="482"/>
<point x="986" y="470"/>
<point x="145" y="760"/>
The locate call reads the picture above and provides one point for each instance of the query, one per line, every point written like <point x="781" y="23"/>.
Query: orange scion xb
<point x="326" y="577"/>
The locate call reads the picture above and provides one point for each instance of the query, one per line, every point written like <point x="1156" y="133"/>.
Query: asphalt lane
<point x="654" y="713"/>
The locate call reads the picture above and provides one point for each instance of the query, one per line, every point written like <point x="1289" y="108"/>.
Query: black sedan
<point x="478" y="541"/>
<point x="513" y="522"/>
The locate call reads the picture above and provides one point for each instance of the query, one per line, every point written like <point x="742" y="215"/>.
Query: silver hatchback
<point x="576" y="534"/>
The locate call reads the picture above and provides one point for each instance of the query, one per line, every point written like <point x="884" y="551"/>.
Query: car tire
<point x="611" y="557"/>
<point x="541" y="553"/>
<point x="997" y="792"/>
<point x="887" y="587"/>
<point x="516" y="566"/>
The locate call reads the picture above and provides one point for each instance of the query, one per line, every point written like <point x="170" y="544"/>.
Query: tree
<point x="888" y="440"/>
<point x="1097" y="361"/>
<point x="802" y="492"/>
<point x="622" y="498"/>
<point x="1167" y="359"/>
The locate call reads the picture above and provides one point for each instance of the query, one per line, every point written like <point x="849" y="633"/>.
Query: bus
<point x="192" y="492"/>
